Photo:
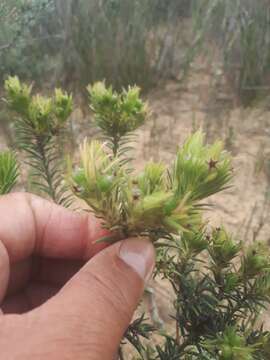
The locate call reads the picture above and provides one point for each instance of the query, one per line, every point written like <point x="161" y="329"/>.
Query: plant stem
<point x="177" y="328"/>
<point x="121" y="355"/>
<point x="153" y="307"/>
<point x="115" y="145"/>
<point x="183" y="346"/>
<point x="48" y="176"/>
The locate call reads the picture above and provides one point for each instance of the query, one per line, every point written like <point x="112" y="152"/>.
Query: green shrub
<point x="30" y="37"/>
<point x="220" y="286"/>
<point x="241" y="29"/>
<point x="80" y="41"/>
<point x="122" y="41"/>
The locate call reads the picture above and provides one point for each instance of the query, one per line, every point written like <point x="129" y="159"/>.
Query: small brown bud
<point x="76" y="189"/>
<point x="212" y="164"/>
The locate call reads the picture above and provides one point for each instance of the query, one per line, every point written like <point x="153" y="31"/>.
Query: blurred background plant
<point x="29" y="38"/>
<point x="76" y="42"/>
<point x="87" y="41"/>
<point x="241" y="30"/>
<point x="126" y="42"/>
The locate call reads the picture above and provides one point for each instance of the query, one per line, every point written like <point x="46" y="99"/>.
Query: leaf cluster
<point x="117" y="114"/>
<point x="9" y="171"/>
<point x="217" y="301"/>
<point x="40" y="125"/>
<point x="158" y="201"/>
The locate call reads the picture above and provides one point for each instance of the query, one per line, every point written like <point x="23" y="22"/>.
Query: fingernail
<point x="139" y="254"/>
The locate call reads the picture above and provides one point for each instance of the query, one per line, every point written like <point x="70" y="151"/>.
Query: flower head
<point x="63" y="105"/>
<point x="117" y="114"/>
<point x="40" y="113"/>
<point x="18" y="95"/>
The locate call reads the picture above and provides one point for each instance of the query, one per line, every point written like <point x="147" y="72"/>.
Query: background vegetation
<point x="75" y="42"/>
<point x="241" y="29"/>
<point x="200" y="63"/>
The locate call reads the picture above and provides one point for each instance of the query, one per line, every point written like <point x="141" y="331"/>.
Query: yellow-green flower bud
<point x="18" y="95"/>
<point x="149" y="210"/>
<point x="63" y="105"/>
<point x="201" y="170"/>
<point x="40" y="113"/>
<point x="152" y="178"/>
<point x="105" y="183"/>
<point x="171" y="205"/>
<point x="194" y="242"/>
<point x="256" y="261"/>
<point x="223" y="248"/>
<point x="79" y="177"/>
<point x="226" y="353"/>
<point x="117" y="114"/>
<point x="231" y="346"/>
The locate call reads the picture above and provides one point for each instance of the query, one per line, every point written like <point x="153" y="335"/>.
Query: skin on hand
<point x="61" y="296"/>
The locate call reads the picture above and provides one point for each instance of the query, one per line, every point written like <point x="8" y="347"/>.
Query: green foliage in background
<point x="117" y="39"/>
<point x="77" y="41"/>
<point x="241" y="29"/>
<point x="30" y="37"/>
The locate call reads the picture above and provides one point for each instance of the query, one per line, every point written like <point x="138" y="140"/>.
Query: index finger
<point x="31" y="225"/>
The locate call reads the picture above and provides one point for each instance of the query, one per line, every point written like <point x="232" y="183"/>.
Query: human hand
<point x="56" y="305"/>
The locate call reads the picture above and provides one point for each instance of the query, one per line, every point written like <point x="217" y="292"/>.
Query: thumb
<point x="95" y="308"/>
